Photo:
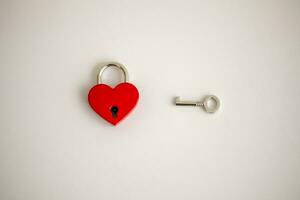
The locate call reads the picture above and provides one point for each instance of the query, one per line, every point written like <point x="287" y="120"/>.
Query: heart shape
<point x="113" y="104"/>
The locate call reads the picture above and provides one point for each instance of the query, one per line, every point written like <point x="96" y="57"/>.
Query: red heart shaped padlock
<point x="113" y="104"/>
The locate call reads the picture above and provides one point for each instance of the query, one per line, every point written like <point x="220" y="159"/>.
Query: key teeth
<point x="177" y="99"/>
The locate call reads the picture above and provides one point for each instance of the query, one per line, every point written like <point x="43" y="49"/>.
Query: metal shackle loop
<point x="113" y="64"/>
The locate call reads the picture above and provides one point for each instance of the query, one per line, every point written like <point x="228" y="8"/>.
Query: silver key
<point x="204" y="103"/>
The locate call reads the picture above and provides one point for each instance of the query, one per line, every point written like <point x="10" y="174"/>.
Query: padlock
<point x="113" y="104"/>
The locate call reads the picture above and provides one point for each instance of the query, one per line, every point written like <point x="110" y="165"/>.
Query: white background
<point x="54" y="147"/>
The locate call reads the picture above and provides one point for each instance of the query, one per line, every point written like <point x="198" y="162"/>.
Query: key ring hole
<point x="211" y="104"/>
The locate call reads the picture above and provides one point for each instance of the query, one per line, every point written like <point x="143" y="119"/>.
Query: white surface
<point x="53" y="146"/>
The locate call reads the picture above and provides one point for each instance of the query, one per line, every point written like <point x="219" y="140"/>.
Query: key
<point x="205" y="103"/>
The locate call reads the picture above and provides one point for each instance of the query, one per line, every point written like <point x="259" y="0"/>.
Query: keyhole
<point x="114" y="111"/>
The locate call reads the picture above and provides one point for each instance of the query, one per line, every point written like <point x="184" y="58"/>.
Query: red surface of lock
<point x="113" y="104"/>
